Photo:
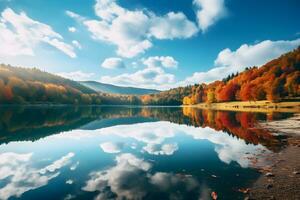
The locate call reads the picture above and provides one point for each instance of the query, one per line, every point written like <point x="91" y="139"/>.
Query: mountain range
<point x="113" y="89"/>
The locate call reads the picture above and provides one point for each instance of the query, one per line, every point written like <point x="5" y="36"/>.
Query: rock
<point x="296" y="172"/>
<point x="244" y="190"/>
<point x="214" y="196"/>
<point x="269" y="186"/>
<point x="269" y="174"/>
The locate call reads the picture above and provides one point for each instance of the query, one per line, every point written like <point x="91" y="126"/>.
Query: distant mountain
<point x="113" y="89"/>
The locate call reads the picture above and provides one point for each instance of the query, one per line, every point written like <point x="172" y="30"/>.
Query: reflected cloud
<point x="227" y="147"/>
<point x="20" y="177"/>
<point x="154" y="134"/>
<point x="69" y="182"/>
<point x="74" y="166"/>
<point x="131" y="178"/>
<point x="157" y="149"/>
<point x="110" y="147"/>
<point x="58" y="164"/>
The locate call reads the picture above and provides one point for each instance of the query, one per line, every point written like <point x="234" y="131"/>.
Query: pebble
<point x="269" y="174"/>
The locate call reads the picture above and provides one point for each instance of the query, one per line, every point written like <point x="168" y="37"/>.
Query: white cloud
<point x="161" y="61"/>
<point x="209" y="12"/>
<point x="66" y="48"/>
<point x="229" y="61"/>
<point x="76" y="44"/>
<point x="22" y="177"/>
<point x="72" y="29"/>
<point x="76" y="75"/>
<point x="171" y="26"/>
<point x="110" y="147"/>
<point x="19" y="35"/>
<point x="153" y="77"/>
<point x="132" y="31"/>
<point x="74" y="16"/>
<point x="113" y="63"/>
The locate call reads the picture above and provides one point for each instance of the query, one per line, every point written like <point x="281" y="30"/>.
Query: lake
<point x="67" y="152"/>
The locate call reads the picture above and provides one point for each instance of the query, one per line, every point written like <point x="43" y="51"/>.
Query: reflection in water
<point x="153" y="137"/>
<point x="19" y="176"/>
<point x="110" y="147"/>
<point x="130" y="152"/>
<point x="116" y="182"/>
<point x="32" y="123"/>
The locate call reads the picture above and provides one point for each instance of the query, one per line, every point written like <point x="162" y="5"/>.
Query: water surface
<point x="130" y="152"/>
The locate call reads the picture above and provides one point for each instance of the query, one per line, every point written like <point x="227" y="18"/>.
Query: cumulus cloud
<point x="110" y="147"/>
<point x="19" y="35"/>
<point x="209" y="12"/>
<point x="117" y="181"/>
<point x="150" y="77"/>
<point x="72" y="29"/>
<point x="228" y="61"/>
<point x="21" y="176"/>
<point x="133" y="31"/>
<point x="161" y="61"/>
<point x="76" y="75"/>
<point x="113" y="63"/>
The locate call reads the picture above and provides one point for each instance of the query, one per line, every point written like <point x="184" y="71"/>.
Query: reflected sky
<point x="149" y="159"/>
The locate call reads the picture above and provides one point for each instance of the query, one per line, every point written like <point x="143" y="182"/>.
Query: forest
<point x="275" y="81"/>
<point x="278" y="80"/>
<point x="23" y="85"/>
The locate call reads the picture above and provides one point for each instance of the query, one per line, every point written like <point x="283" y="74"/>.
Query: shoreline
<point x="281" y="179"/>
<point x="251" y="106"/>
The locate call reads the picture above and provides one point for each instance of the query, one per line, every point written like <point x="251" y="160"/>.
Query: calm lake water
<point x="130" y="152"/>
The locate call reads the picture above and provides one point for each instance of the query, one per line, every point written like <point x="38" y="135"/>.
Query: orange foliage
<point x="273" y="81"/>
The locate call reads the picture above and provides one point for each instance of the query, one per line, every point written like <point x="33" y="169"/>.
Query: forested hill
<point x="113" y="89"/>
<point x="277" y="80"/>
<point x="19" y="85"/>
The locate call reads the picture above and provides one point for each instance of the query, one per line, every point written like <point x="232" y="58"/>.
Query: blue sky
<point x="152" y="44"/>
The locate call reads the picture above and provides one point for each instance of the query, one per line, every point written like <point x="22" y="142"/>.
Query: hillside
<point x="277" y="80"/>
<point x="21" y="85"/>
<point x="112" y="89"/>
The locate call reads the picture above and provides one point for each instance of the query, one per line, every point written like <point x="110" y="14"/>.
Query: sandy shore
<point x="281" y="180"/>
<point x="252" y="106"/>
